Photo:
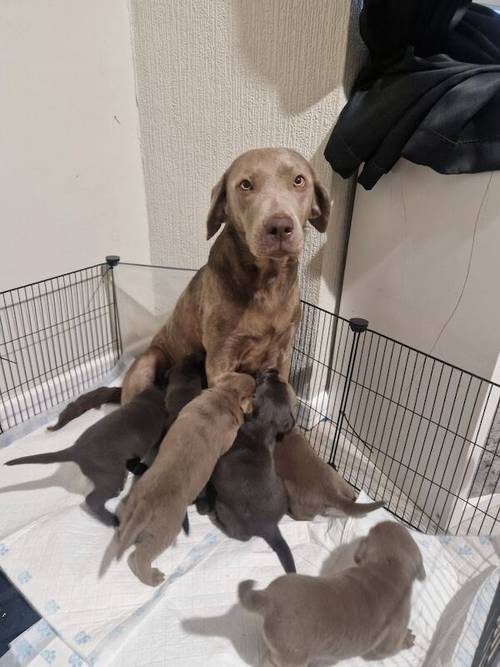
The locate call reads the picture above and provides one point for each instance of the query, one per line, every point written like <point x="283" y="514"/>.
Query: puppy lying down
<point x="102" y="451"/>
<point x="361" y="611"/>
<point x="155" y="507"/>
<point x="250" y="499"/>
<point x="313" y="487"/>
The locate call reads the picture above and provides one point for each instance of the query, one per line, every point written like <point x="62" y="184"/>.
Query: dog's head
<point x="390" y="543"/>
<point x="274" y="402"/>
<point x="242" y="385"/>
<point x="268" y="195"/>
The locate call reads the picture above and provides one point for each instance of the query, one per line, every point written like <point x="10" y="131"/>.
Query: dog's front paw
<point x="409" y="640"/>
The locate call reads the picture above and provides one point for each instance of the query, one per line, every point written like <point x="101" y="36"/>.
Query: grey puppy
<point x="246" y="497"/>
<point x="361" y="611"/>
<point x="103" y="450"/>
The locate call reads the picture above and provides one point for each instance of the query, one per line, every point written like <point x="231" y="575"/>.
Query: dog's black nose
<point x="280" y="226"/>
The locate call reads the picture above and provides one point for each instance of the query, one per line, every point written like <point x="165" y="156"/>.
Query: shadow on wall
<point x="297" y="51"/>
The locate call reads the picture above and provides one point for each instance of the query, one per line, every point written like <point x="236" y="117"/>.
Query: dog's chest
<point x="263" y="333"/>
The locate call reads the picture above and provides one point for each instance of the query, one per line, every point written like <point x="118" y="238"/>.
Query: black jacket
<point x="412" y="100"/>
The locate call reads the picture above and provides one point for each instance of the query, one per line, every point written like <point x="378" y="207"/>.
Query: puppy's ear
<point x="217" y="210"/>
<point x="321" y="207"/>
<point x="247" y="405"/>
<point x="361" y="551"/>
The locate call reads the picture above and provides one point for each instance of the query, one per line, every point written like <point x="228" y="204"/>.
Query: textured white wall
<point x="71" y="182"/>
<point x="217" y="77"/>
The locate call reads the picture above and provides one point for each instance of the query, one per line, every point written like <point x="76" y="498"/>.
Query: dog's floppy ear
<point x="217" y="211"/>
<point x="361" y="551"/>
<point x="321" y="207"/>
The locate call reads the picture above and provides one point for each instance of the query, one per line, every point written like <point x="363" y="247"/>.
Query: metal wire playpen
<point x="399" y="424"/>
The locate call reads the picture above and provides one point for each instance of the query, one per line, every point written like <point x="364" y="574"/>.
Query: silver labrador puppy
<point x="362" y="611"/>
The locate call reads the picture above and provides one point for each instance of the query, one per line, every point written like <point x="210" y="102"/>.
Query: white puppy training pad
<point x="51" y="548"/>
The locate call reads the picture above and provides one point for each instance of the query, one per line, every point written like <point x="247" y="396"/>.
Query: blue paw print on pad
<point x="178" y="572"/>
<point x="48" y="655"/>
<point x="51" y="607"/>
<point x="3" y="549"/>
<point x="465" y="550"/>
<point x="483" y="539"/>
<point x="444" y="539"/>
<point x="24" y="576"/>
<point x="23" y="649"/>
<point x="195" y="554"/>
<point x="82" y="637"/>
<point x="44" y="629"/>
<point x="210" y="539"/>
<point x="75" y="661"/>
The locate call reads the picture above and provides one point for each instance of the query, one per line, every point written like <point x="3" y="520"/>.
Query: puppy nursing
<point x="250" y="499"/>
<point x="313" y="487"/>
<point x="155" y="508"/>
<point x="362" y="611"/>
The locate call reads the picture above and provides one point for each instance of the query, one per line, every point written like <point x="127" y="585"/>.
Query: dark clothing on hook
<point x="438" y="110"/>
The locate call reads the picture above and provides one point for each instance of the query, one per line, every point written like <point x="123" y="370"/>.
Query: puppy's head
<point x="268" y="195"/>
<point x="240" y="384"/>
<point x="189" y="368"/>
<point x="390" y="543"/>
<point x="274" y="402"/>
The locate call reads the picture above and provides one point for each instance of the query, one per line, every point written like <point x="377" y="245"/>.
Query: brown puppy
<point x="313" y="487"/>
<point x="249" y="498"/>
<point x="155" y="508"/>
<point x="103" y="450"/>
<point x="242" y="307"/>
<point x="361" y="611"/>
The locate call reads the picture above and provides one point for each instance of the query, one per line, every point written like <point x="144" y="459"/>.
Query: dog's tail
<point x="132" y="523"/>
<point x="49" y="457"/>
<point x="279" y="545"/>
<point x="355" y="509"/>
<point x="85" y="402"/>
<point x="252" y="600"/>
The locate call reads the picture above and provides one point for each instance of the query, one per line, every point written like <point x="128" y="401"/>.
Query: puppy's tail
<point x="49" y="457"/>
<point x="133" y="522"/>
<point x="356" y="509"/>
<point x="85" y="402"/>
<point x="185" y="524"/>
<point x="279" y="545"/>
<point x="252" y="600"/>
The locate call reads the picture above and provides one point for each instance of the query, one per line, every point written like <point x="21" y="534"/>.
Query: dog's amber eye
<point x="299" y="180"/>
<point x="246" y="185"/>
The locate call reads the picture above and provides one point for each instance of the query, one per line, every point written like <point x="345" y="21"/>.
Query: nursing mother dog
<point x="243" y="306"/>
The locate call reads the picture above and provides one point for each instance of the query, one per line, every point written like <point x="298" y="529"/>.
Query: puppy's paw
<point x="151" y="576"/>
<point x="409" y="640"/>
<point x="157" y="577"/>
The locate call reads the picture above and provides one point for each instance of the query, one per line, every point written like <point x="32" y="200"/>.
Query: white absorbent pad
<point x="51" y="549"/>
